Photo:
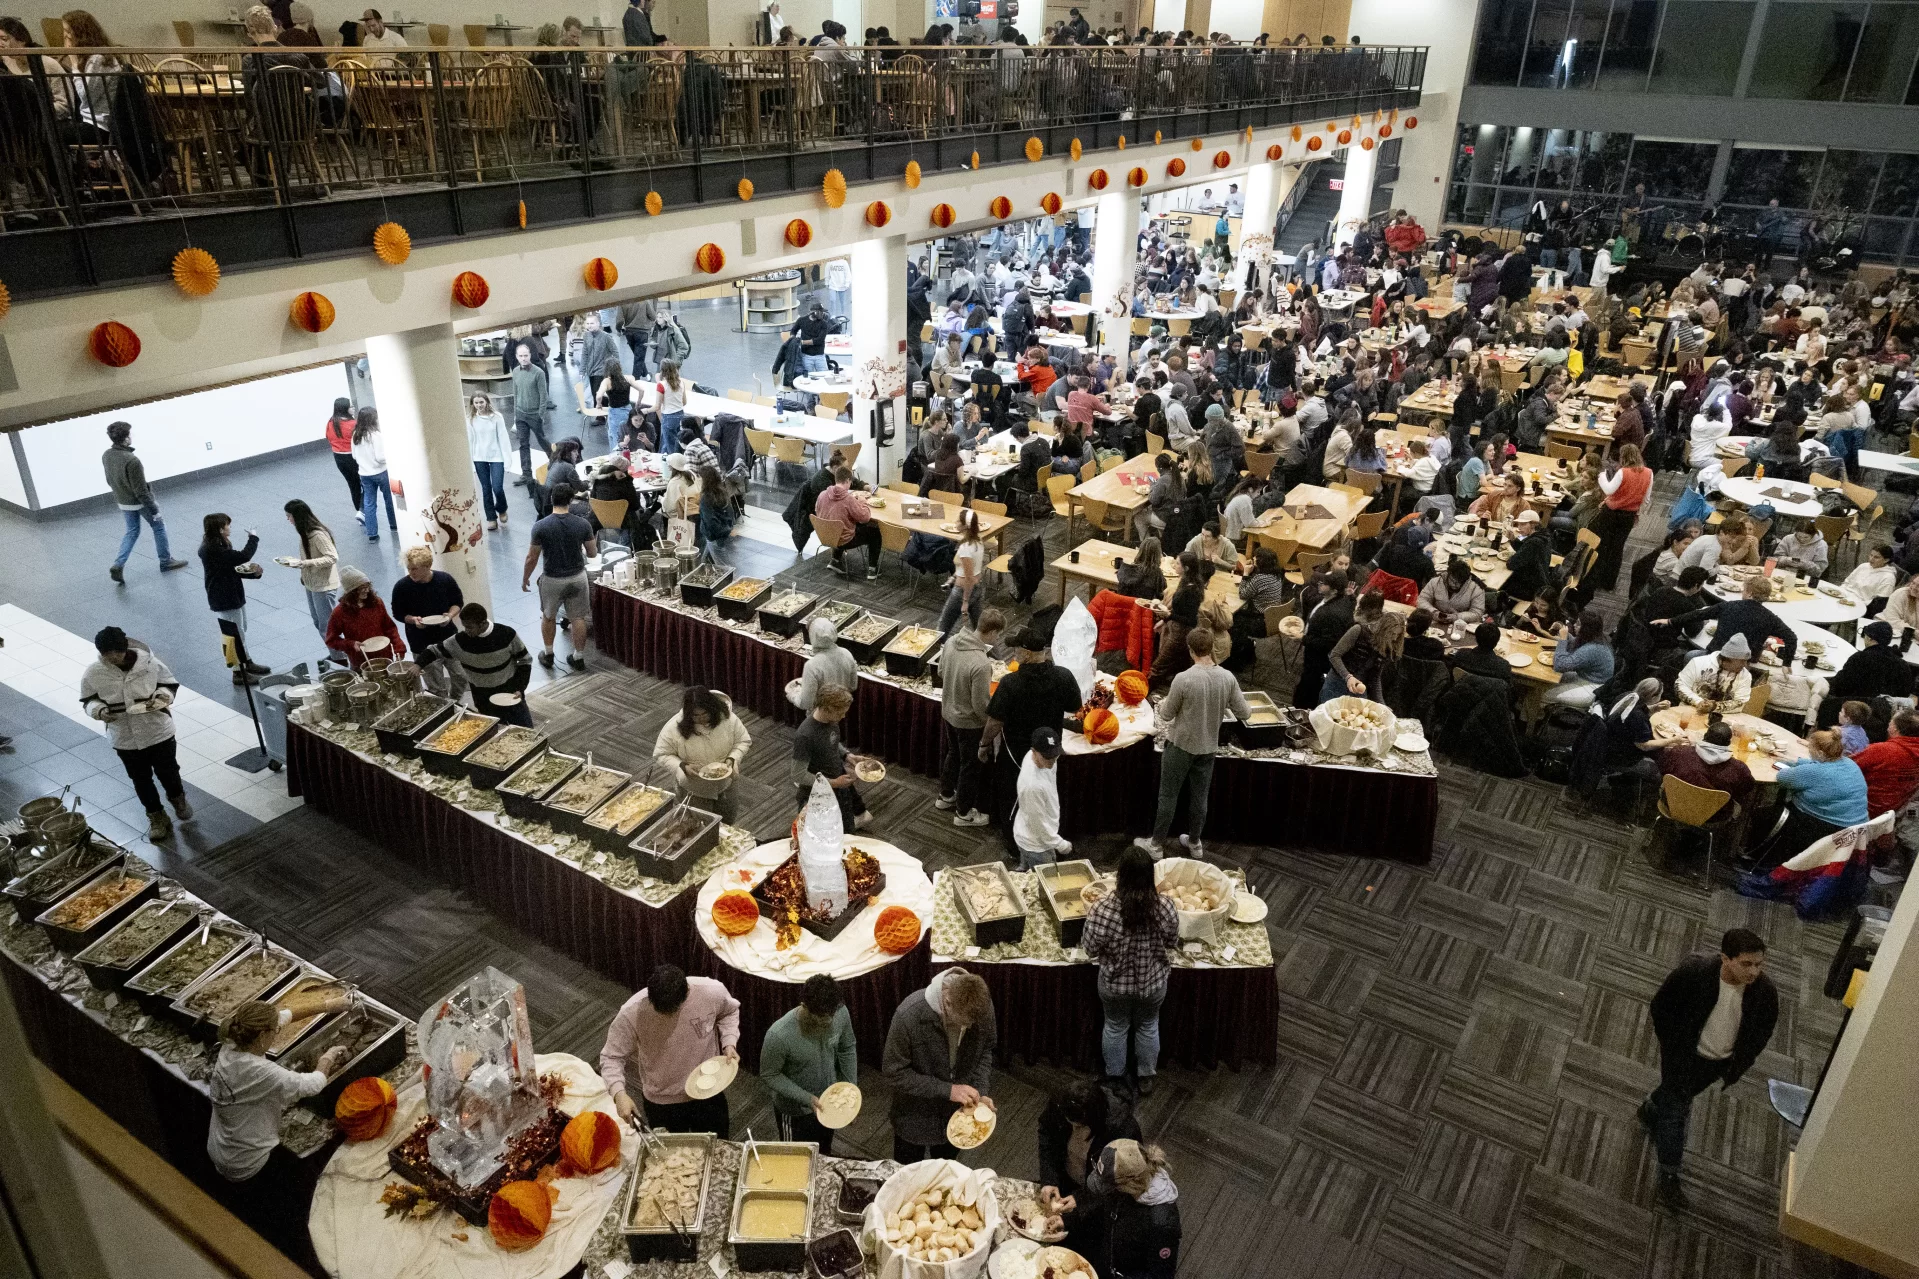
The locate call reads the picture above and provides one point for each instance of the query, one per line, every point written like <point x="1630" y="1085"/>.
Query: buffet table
<point x="1222" y="1002"/>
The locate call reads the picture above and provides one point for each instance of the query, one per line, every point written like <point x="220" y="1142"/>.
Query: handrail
<point x="879" y="50"/>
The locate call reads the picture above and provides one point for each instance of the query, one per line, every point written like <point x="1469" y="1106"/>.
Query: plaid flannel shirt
<point x="1131" y="961"/>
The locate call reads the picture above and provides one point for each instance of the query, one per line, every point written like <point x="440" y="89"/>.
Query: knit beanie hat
<point x="352" y="579"/>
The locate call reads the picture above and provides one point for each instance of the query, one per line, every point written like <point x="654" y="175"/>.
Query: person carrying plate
<point x="706" y="737"/>
<point x="659" y="1038"/>
<point x="805" y="1053"/>
<point x="939" y="1057"/>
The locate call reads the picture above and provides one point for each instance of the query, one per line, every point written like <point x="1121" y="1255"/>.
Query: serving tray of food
<point x="908" y="652"/>
<point x="666" y="1198"/>
<point x="567" y="805"/>
<point x="786" y="613"/>
<point x="121" y="950"/>
<point x="84" y="915"/>
<point x="612" y="824"/>
<point x="868" y="636"/>
<point x="169" y="971"/>
<point x="740" y="600"/>
<point x="255" y="973"/>
<point x="497" y="758"/>
<point x="528" y="785"/>
<point x="442" y="749"/>
<point x="990" y="902"/>
<point x="698" y="588"/>
<point x="401" y="728"/>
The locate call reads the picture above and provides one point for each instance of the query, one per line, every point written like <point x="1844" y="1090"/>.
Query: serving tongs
<point x="648" y="1138"/>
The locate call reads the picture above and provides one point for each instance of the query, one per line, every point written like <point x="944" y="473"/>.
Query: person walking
<point x="131" y="691"/>
<point x="560" y="544"/>
<point x="226" y="590"/>
<point x="969" y="572"/>
<point x="658" y="1038"/>
<point x="127" y="477"/>
<point x="1713" y="1015"/>
<point x="939" y="1057"/>
<point x="319" y="565"/>
<point x="493" y="660"/>
<point x="706" y="732"/>
<point x="1191" y="713"/>
<point x="1128" y="933"/>
<point x="530" y="394"/>
<point x="965" y="689"/>
<point x="489" y="444"/>
<point x="806" y="1052"/>
<point x="829" y="666"/>
<point x="428" y="601"/>
<point x="339" y="438"/>
<point x="369" y="454"/>
<point x="1036" y="812"/>
<point x="672" y="404"/>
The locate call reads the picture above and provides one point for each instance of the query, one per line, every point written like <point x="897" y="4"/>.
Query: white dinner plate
<point x="711" y="1077"/>
<point x="1247" y="908"/>
<point x="1519" y="659"/>
<point x="1411" y="743"/>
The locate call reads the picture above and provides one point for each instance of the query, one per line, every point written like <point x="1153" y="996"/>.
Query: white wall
<point x="1240" y="19"/>
<point x="1446" y="27"/>
<point x="186" y="433"/>
<point x="134" y="1243"/>
<point x="11" y="489"/>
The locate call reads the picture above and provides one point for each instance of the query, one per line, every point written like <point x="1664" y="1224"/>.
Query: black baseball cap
<point x="1046" y="742"/>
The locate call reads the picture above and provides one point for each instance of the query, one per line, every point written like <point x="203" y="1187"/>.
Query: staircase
<point x="1308" y="215"/>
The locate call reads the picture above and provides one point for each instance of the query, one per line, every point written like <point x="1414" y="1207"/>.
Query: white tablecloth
<point x="853" y="953"/>
<point x="1802" y="500"/>
<point x="1136" y="724"/>
<point x="355" y="1239"/>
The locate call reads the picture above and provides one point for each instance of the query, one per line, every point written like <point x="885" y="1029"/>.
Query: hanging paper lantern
<point x="1385" y="130"/>
<point x="1275" y="151"/>
<point x="1001" y="207"/>
<point x="470" y="290"/>
<point x="745" y="188"/>
<point x="943" y="215"/>
<point x="1312" y="143"/>
<point x="1295" y="133"/>
<point x="1050" y="202"/>
<point x="877" y="214"/>
<point x="1136" y="177"/>
<point x="1198" y="144"/>
<point x="1221" y="159"/>
<point x="195" y="272"/>
<point x="799" y="233"/>
<point x="1035" y="148"/>
<point x="391" y="244"/>
<point x="912" y="173"/>
<point x="1412" y="122"/>
<point x="1158" y="137"/>
<point x="710" y="258"/>
<point x="1097" y="179"/>
<point x="1175" y="167"/>
<point x="6" y="301"/>
<point x="833" y="188"/>
<point x="523" y="215"/>
<point x="653" y="203"/>
<point x="312" y="312"/>
<point x="114" y="344"/>
<point x="1345" y="136"/>
<point x="1376" y="115"/>
<point x="1122" y="142"/>
<point x="601" y="274"/>
<point x="974" y="162"/>
<point x="1073" y="148"/>
<point x="1365" y="144"/>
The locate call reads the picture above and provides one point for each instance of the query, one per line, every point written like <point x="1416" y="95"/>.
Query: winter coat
<point x="1686" y="1000"/>
<point x="1475" y="725"/>
<point x="726" y="740"/>
<point x="1124" y="625"/>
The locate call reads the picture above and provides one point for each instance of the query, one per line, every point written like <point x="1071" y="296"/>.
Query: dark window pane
<point x="1898" y="187"/>
<point x="1755" y="177"/>
<point x="1558" y="160"/>
<point x="1883" y="67"/>
<point x="1546" y="45"/>
<point x="1585" y="37"/>
<point x="1511" y="210"/>
<point x="1479" y="205"/>
<point x="1806" y="49"/>
<point x="1522" y="157"/>
<point x="1846" y="180"/>
<point x="1481" y="153"/>
<point x="1700" y="44"/>
<point x="1630" y="31"/>
<point x="1886" y="238"/>
<point x="1671" y="170"/>
<point x="1456" y="203"/>
<point x="1602" y="163"/>
<point x="1502" y="41"/>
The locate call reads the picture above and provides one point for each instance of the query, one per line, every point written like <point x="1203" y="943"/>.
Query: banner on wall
<point x="977" y="10"/>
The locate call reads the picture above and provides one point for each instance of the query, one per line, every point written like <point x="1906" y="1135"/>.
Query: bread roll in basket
<point x="1353" y="726"/>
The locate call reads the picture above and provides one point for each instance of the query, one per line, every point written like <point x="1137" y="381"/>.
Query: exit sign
<point x="1336" y="184"/>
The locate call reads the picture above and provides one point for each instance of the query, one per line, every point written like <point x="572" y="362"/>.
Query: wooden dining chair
<point x="1306" y="562"/>
<point x="1260" y="463"/>
<point x="438" y="34"/>
<point x="761" y="442"/>
<point x="847" y="454"/>
<point x="984" y="507"/>
<point x="476" y="34"/>
<point x="1063" y="506"/>
<point x="1819" y="481"/>
<point x="901" y="486"/>
<point x="489" y="120"/>
<point x="1371" y="525"/>
<point x="1087" y="472"/>
<point x="742" y="397"/>
<point x="1155" y="444"/>
<point x="1366" y="482"/>
<point x="610" y="514"/>
<point x="1564" y="452"/>
<point x="1835" y="529"/>
<point x="766" y="401"/>
<point x="1283" y="548"/>
<point x="830" y="532"/>
<point x="790" y="450"/>
<point x="1695" y="808"/>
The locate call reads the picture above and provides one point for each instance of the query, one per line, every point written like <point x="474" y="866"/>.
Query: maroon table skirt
<point x="569" y="910"/>
<point x="899" y="726"/>
<point x="1211" y="1017"/>
<point x="870" y="1000"/>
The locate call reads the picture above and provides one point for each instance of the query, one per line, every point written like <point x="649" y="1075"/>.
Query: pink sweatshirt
<point x="846" y="505"/>
<point x="662" y="1050"/>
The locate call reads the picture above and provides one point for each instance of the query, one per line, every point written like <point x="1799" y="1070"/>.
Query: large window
<point x="1882" y="69"/>
<point x="1700" y="45"/>
<point x="1806" y="49"/>
<point x="1756" y="176"/>
<point x="1632" y="30"/>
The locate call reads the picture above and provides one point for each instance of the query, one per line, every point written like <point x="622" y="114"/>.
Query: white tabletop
<point x="1820" y="610"/>
<point x="814" y="430"/>
<point x="839" y="344"/>
<point x="764" y="417"/>
<point x="824" y="384"/>
<point x="1898" y="463"/>
<point x="1736" y="446"/>
<point x="1068" y="310"/>
<point x="1802" y="502"/>
<point x="1338" y="299"/>
<point x="1070" y="340"/>
<point x="1184" y="313"/>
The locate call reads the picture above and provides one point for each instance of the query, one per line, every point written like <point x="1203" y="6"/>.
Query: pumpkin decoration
<point x="195" y="272"/>
<point x="1412" y="122"/>
<point x="1035" y="148"/>
<point x="799" y="233"/>
<point x="1073" y="148"/>
<point x="518" y="1215"/>
<point x="1385" y="130"/>
<point x="114" y="344"/>
<point x="601" y="274"/>
<point x="653" y="203"/>
<point x="912" y="174"/>
<point x="1365" y="144"/>
<point x="1221" y="159"/>
<point x="1275" y="151"/>
<point x="1175" y="167"/>
<point x="943" y="215"/>
<point x="1345" y="136"/>
<point x="365" y="1108"/>
<point x="735" y="914"/>
<point x="470" y="290"/>
<point x="745" y="188"/>
<point x="1097" y="179"/>
<point x="833" y="188"/>
<point x="897" y="930"/>
<point x="1312" y="143"/>
<point x="1050" y="202"/>
<point x="1136" y="177"/>
<point x="710" y="258"/>
<point x="1001" y="207"/>
<point x="1198" y="144"/>
<point x="1130" y="688"/>
<point x="877" y="214"/>
<point x="391" y="244"/>
<point x="312" y="312"/>
<point x="590" y="1143"/>
<point x="523" y="215"/>
<point x="6" y="301"/>
<point x="1100" y="726"/>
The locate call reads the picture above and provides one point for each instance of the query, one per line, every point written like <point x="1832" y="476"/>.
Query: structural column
<point x="1356" y="201"/>
<point x="878" y="331"/>
<point x="1268" y="183"/>
<point x="416" y="384"/>
<point x="1115" y="260"/>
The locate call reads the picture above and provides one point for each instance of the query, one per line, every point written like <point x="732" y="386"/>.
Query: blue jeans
<point x="814" y="363"/>
<point x="492" y="478"/>
<point x="949" y="616"/>
<point x="1191" y="773"/>
<point x="1575" y="265"/>
<point x="1028" y="859"/>
<point x="1549" y="258"/>
<point x="320" y="606"/>
<point x="151" y="512"/>
<point x="371" y="486"/>
<point x="616" y="417"/>
<point x="670" y="432"/>
<point x="1134" y="1015"/>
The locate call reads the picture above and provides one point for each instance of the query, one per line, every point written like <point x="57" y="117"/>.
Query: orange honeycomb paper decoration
<point x="735" y="914"/>
<point x="470" y="290"/>
<point x="519" y="1214"/>
<point x="1221" y="159"/>
<point x="1312" y="143"/>
<point x="1175" y="167"/>
<point x="1101" y="726"/>
<point x="1158" y="137"/>
<point x="799" y="233"/>
<point x="1136" y="177"/>
<point x="1332" y="126"/>
<point x="1050" y="202"/>
<point x="653" y="203"/>
<point x="833" y="188"/>
<point x="1122" y="142"/>
<point x="1001" y="207"/>
<point x="1097" y="179"/>
<point x="365" y="1108"/>
<point x="1295" y="133"/>
<point x="1345" y="136"/>
<point x="912" y="174"/>
<point x="601" y="274"/>
<point x="973" y="163"/>
<point x="1385" y="131"/>
<point x="1073" y="148"/>
<point x="312" y="312"/>
<point x="590" y="1143"/>
<point x="1198" y="145"/>
<point x="6" y="301"/>
<point x="710" y="258"/>
<point x="745" y="188"/>
<point x="1248" y="135"/>
<point x="943" y="215"/>
<point x="1412" y="122"/>
<point x="897" y="930"/>
<point x="1035" y="149"/>
<point x="1130" y="687"/>
<point x="1365" y="144"/>
<point x="523" y="215"/>
<point x="1275" y="151"/>
<point x="114" y="344"/>
<point x="391" y="244"/>
<point x="877" y="214"/>
<point x="195" y="272"/>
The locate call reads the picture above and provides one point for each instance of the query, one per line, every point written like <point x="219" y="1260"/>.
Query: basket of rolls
<point x="933" y="1220"/>
<point x="1354" y="726"/>
<point x="1202" y="893"/>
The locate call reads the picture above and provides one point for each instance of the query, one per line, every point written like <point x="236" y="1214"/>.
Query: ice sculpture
<point x="481" y="1086"/>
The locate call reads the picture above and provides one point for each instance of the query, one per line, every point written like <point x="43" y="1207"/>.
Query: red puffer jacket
<point x="1124" y="624"/>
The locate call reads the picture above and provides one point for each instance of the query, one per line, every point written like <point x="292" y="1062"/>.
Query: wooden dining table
<point x="1097" y="564"/>
<point x="1750" y="737"/>
<point x="1119" y="488"/>
<point x="887" y="510"/>
<point x="1297" y="520"/>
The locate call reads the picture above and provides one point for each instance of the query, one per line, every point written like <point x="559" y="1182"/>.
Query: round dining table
<point x="1759" y="744"/>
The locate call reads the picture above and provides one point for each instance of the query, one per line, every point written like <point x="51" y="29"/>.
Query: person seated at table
<point x="1872" y="582"/>
<point x="1747" y="616"/>
<point x="1420" y="644"/>
<point x="947" y="359"/>
<point x="1780" y="453"/>
<point x="1082" y="406"/>
<point x="1538" y="414"/>
<point x="1823" y="793"/>
<point x="1546" y="615"/>
<point x="718" y="514"/>
<point x="1710" y="765"/>
<point x="1499" y="501"/>
<point x="818" y="753"/>
<point x="1144" y="577"/>
<point x="1734" y="543"/>
<point x="1127" y="1221"/>
<point x="938" y="1057"/>
<point x="1667" y="559"/>
<point x="1484" y="658"/>
<point x="1480" y="472"/>
<point x="1718" y="681"/>
<point x="613" y="483"/>
<point x="1902" y="607"/>
<point x="1213" y="545"/>
<point x="1366" y="455"/>
<point x="658" y="1038"/>
<point x="1855" y="721"/>
<point x="1178" y="615"/>
<point x="1802" y="550"/>
<point x="1422" y="469"/>
<point x="1454" y="593"/>
<point x="1035" y="374"/>
<point x="1404" y="557"/>
<point x="1625" y="746"/>
<point x="943" y="472"/>
<point x="1530" y="564"/>
<point x="808" y="1050"/>
<point x="682" y="497"/>
<point x="844" y="504"/>
<point x="1876" y="670"/>
<point x="1583" y="662"/>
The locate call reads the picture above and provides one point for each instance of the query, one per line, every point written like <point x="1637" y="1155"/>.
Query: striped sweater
<point x="494" y="662"/>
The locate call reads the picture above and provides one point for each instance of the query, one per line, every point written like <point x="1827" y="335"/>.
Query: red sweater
<point x="349" y="627"/>
<point x="1892" y="773"/>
